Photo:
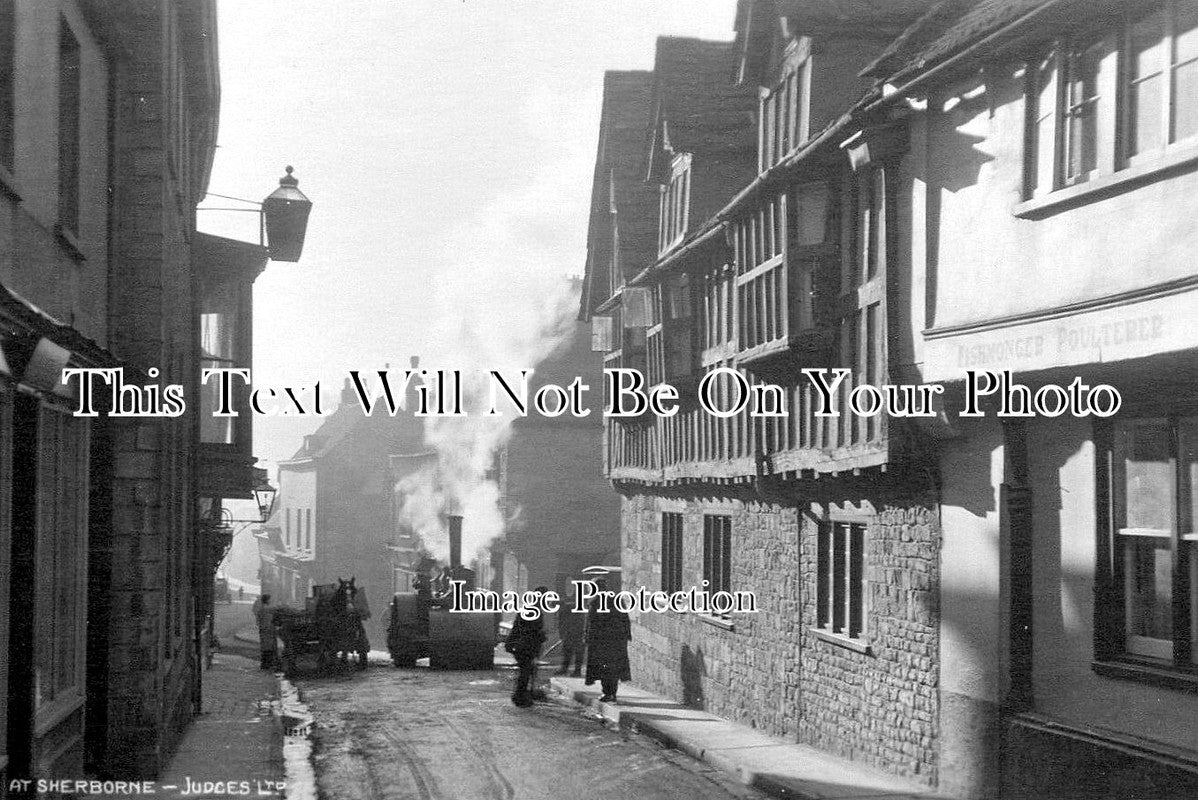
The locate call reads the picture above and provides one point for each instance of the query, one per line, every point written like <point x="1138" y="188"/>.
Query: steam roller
<point x="422" y="624"/>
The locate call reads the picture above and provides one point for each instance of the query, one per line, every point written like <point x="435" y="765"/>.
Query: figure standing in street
<point x="571" y="627"/>
<point x="607" y="637"/>
<point x="524" y="642"/>
<point x="264" y="613"/>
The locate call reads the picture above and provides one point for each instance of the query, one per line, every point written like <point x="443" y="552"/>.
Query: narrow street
<point x="395" y="734"/>
<point x="414" y="733"/>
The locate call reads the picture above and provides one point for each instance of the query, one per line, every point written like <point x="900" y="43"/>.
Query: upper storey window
<point x="675" y="204"/>
<point x="1113" y="98"/>
<point x="784" y="113"/>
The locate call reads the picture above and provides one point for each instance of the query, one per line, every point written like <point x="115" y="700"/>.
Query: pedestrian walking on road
<point x="607" y="637"/>
<point x="268" y="643"/>
<point x="524" y="642"/>
<point x="571" y="627"/>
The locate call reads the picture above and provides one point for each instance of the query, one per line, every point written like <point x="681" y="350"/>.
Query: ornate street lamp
<point x="285" y="215"/>
<point x="264" y="496"/>
<point x="282" y="218"/>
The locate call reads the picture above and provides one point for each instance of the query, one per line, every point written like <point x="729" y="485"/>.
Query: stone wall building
<point x="772" y="256"/>
<point x="337" y="507"/>
<point x="107" y="131"/>
<point x="999" y="607"/>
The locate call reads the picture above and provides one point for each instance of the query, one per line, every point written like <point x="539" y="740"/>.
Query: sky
<point x="447" y="147"/>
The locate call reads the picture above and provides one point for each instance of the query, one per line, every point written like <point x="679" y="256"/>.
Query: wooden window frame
<point x="1114" y="121"/>
<point x="784" y="109"/>
<point x="862" y="305"/>
<point x="717" y="553"/>
<point x="61" y="553"/>
<point x="672" y="544"/>
<point x="674" y="205"/>
<point x="1113" y="644"/>
<point x="841" y="595"/>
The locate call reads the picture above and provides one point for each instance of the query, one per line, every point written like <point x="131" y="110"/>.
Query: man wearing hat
<point x="608" y="633"/>
<point x="524" y="642"/>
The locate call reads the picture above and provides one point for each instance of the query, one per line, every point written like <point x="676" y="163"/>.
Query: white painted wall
<point x="1064" y="553"/>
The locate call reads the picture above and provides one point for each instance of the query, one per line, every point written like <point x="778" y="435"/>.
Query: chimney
<point x="455" y="541"/>
<point x="348" y="395"/>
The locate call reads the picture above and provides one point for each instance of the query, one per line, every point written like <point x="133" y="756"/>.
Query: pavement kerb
<point x="731" y="760"/>
<point x="631" y="721"/>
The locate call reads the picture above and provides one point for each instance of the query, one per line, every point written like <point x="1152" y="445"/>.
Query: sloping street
<point x="390" y="733"/>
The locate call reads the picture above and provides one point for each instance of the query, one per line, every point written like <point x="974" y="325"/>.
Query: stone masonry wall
<point x="152" y="318"/>
<point x="880" y="707"/>
<point x="770" y="671"/>
<point x="748" y="674"/>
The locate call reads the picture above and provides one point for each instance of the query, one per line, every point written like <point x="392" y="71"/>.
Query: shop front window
<point x="1154" y="483"/>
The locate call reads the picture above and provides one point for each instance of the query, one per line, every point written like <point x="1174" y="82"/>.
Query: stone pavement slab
<point x="234" y="747"/>
<point x="778" y="768"/>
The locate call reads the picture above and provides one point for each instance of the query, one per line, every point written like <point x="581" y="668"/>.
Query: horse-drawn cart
<point x="331" y="624"/>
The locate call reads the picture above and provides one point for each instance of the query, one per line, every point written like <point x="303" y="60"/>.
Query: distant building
<point x="335" y="516"/>
<point x="561" y="512"/>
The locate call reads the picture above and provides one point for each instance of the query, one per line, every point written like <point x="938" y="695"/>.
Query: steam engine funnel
<point x="455" y="541"/>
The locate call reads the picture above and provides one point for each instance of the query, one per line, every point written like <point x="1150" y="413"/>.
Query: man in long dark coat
<point x="608" y="634"/>
<point x="524" y="642"/>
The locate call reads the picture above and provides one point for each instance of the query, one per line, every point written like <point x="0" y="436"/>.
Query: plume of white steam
<point x="520" y="327"/>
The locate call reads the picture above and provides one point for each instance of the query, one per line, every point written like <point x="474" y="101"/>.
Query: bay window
<point x="784" y="113"/>
<point x="669" y="342"/>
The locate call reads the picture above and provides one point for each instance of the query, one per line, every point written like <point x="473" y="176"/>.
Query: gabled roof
<point x="403" y="432"/>
<point x="617" y="185"/>
<point x="759" y="22"/>
<point x="335" y="428"/>
<point x="697" y="105"/>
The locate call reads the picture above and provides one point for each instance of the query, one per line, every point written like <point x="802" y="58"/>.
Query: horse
<point x="339" y="624"/>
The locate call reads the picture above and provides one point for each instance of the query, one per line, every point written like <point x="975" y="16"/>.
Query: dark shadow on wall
<point x="692" y="669"/>
<point x="954" y="162"/>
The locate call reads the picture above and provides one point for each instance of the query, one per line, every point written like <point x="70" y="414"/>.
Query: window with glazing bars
<point x="840" y="584"/>
<point x="717" y="552"/>
<point x="671" y="552"/>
